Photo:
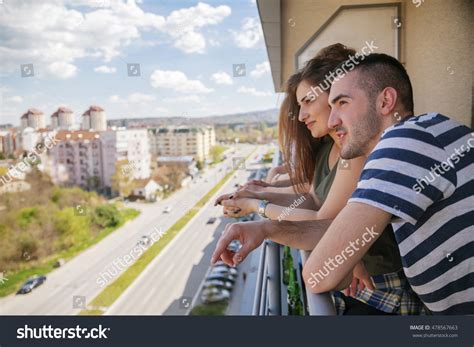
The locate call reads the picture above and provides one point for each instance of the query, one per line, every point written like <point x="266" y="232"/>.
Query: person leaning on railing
<point x="432" y="219"/>
<point x="379" y="285"/>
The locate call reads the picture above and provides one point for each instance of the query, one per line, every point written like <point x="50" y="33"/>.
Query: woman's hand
<point x="361" y="279"/>
<point x="245" y="206"/>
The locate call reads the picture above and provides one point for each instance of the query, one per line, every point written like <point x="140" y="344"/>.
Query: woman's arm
<point x="302" y="207"/>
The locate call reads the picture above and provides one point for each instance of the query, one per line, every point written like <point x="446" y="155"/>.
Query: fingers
<point x="242" y="253"/>
<point x="369" y="283"/>
<point x="233" y="204"/>
<point x="221" y="198"/>
<point x="230" y="233"/>
<point x="354" y="284"/>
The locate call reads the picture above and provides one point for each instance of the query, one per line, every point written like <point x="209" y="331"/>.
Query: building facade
<point x="94" y="119"/>
<point x="33" y="118"/>
<point x="430" y="38"/>
<point x="63" y="118"/>
<point x="182" y="141"/>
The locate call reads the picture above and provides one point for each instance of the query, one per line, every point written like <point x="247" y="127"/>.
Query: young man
<point x="419" y="176"/>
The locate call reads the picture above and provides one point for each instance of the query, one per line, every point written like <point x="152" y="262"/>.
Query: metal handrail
<point x="318" y="304"/>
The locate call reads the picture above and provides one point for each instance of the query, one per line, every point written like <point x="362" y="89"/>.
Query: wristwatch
<point x="262" y="205"/>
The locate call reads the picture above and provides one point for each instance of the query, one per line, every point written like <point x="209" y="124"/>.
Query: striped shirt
<point x="422" y="172"/>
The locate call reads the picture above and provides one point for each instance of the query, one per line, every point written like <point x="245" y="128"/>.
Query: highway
<point x="170" y="282"/>
<point x="71" y="287"/>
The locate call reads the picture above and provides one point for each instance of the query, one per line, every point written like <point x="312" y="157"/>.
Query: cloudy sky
<point x="75" y="53"/>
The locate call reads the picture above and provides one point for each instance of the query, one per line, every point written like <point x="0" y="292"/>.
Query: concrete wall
<point x="435" y="41"/>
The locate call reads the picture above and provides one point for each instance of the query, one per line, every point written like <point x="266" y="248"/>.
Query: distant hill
<point x="267" y="116"/>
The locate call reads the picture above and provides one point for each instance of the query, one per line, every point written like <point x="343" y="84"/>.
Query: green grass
<point x="44" y="266"/>
<point x="215" y="309"/>
<point x="111" y="293"/>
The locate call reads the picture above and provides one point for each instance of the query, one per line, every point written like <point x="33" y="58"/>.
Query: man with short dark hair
<point x="372" y="109"/>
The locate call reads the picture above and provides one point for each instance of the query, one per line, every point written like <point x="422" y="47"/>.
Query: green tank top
<point x="383" y="257"/>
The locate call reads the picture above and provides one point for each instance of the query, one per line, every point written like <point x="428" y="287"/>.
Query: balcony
<point x="280" y="287"/>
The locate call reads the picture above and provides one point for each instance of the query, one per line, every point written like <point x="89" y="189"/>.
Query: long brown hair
<point x="299" y="148"/>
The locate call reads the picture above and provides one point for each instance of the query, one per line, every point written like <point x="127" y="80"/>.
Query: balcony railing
<point x="275" y="297"/>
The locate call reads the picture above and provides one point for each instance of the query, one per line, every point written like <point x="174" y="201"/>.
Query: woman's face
<point x="314" y="111"/>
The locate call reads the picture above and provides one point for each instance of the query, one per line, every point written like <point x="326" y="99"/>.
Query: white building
<point x="33" y="118"/>
<point x="146" y="189"/>
<point x="94" y="119"/>
<point x="63" y="118"/>
<point x="130" y="145"/>
<point x="88" y="158"/>
<point x="9" y="142"/>
<point x="182" y="141"/>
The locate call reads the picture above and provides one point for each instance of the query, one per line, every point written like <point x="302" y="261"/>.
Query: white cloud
<point x="251" y="35"/>
<point x="105" y="69"/>
<point x="260" y="69"/>
<point x="222" y="78"/>
<point x="62" y="70"/>
<point x="53" y="35"/>
<point x="183" y="25"/>
<point x="252" y="91"/>
<point x="183" y="99"/>
<point x="177" y="81"/>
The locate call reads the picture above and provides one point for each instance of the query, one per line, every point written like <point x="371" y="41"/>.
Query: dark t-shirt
<point x="383" y="257"/>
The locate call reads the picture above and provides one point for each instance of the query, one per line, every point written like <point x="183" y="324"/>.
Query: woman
<point x="313" y="160"/>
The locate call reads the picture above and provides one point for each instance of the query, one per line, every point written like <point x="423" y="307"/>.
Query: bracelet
<point x="262" y="206"/>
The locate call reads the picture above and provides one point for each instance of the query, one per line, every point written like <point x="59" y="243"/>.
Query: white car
<point x="167" y="209"/>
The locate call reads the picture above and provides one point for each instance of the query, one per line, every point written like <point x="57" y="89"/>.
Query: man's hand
<point x="250" y="234"/>
<point x="361" y="279"/>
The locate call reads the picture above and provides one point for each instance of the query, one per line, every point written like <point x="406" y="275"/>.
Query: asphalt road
<point x="170" y="282"/>
<point x="70" y="288"/>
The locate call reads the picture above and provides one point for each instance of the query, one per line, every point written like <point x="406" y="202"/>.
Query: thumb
<point x="241" y="254"/>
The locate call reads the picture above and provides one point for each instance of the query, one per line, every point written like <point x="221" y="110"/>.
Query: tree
<point x="122" y="181"/>
<point x="216" y="153"/>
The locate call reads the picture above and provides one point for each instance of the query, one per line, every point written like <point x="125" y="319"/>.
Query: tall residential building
<point x="33" y="118"/>
<point x="94" y="119"/>
<point x="9" y="142"/>
<point x="131" y="146"/>
<point x="63" y="118"/>
<point x="182" y="141"/>
<point x="88" y="158"/>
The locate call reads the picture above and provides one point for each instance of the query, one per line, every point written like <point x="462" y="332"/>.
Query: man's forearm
<point x="303" y="235"/>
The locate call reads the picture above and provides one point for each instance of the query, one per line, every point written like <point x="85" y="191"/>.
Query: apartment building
<point x="94" y="119"/>
<point x="9" y="142"/>
<point x="182" y="141"/>
<point x="33" y="118"/>
<point x="88" y="158"/>
<point x="63" y="118"/>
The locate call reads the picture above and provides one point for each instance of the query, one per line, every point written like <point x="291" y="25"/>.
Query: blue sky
<point x="79" y="50"/>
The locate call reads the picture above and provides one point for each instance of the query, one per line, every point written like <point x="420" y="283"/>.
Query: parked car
<point x="211" y="220"/>
<point x="224" y="269"/>
<point x="221" y="277"/>
<point x="31" y="283"/>
<point x="214" y="295"/>
<point x="167" y="209"/>
<point x="218" y="284"/>
<point x="234" y="246"/>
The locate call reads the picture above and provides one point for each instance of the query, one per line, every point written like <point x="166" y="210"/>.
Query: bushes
<point x="107" y="216"/>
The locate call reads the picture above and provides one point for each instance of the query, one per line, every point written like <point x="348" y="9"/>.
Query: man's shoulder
<point x="433" y="128"/>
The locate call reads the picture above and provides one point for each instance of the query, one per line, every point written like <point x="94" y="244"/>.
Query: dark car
<point x="211" y="220"/>
<point x="31" y="284"/>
